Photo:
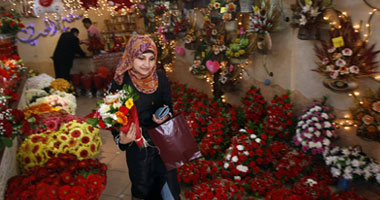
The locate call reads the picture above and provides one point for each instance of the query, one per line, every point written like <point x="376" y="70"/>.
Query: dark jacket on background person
<point x="63" y="57"/>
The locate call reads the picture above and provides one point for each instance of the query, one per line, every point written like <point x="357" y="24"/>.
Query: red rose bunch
<point x="212" y="144"/>
<point x="343" y="195"/>
<point x="291" y="165"/>
<point x="216" y="189"/>
<point x="264" y="183"/>
<point x="279" y="119"/>
<point x="274" y="152"/>
<point x="312" y="189"/>
<point x="198" y="171"/>
<point x="63" y="177"/>
<point x="254" y="105"/>
<point x="241" y="156"/>
<point x="198" y="120"/>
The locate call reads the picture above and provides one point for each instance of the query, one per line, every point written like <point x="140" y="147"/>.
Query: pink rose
<point x="334" y="74"/>
<point x="354" y="69"/>
<point x="347" y="52"/>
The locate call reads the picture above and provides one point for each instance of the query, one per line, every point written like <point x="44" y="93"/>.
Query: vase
<point x="264" y="43"/>
<point x="337" y="85"/>
<point x="7" y="45"/>
<point x="343" y="184"/>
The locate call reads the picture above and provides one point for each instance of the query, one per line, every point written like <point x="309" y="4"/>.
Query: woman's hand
<point x="126" y="138"/>
<point x="159" y="121"/>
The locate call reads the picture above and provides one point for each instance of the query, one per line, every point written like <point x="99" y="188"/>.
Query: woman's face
<point x="144" y="63"/>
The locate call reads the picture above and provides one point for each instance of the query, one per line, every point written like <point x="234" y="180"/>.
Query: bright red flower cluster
<point x="199" y="171"/>
<point x="216" y="189"/>
<point x="211" y="144"/>
<point x="312" y="189"/>
<point x="62" y="178"/>
<point x="279" y="119"/>
<point x="291" y="165"/>
<point x="264" y="183"/>
<point x="254" y="105"/>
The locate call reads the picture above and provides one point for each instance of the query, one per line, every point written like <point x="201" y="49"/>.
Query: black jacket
<point x="67" y="47"/>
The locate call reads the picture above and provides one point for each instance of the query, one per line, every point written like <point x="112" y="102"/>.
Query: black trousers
<point x="148" y="173"/>
<point x="62" y="68"/>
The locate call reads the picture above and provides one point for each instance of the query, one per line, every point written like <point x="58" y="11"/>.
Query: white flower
<point x="308" y="135"/>
<point x="358" y="171"/>
<point x="340" y="63"/>
<point x="311" y="182"/>
<point x="347" y="176"/>
<point x="304" y="126"/>
<point x="240" y="147"/>
<point x="226" y="165"/>
<point x="242" y="168"/>
<point x="347" y="52"/>
<point x="303" y="20"/>
<point x="355" y="163"/>
<point x="328" y="133"/>
<point x="318" y="126"/>
<point x="354" y="69"/>
<point x="325" y="61"/>
<point x="346" y="152"/>
<point x="330" y="68"/>
<point x="314" y="12"/>
<point x="235" y="159"/>
<point x="237" y="178"/>
<point x="228" y="156"/>
<point x="330" y="160"/>
<point x="308" y="121"/>
<point x="324" y="115"/>
<point x="375" y="168"/>
<point x="310" y="129"/>
<point x="306" y="8"/>
<point x="348" y="169"/>
<point x="326" y="142"/>
<point x="367" y="173"/>
<point x="300" y="123"/>
<point x="252" y="136"/>
<point x="335" y="172"/>
<point x="112" y="98"/>
<point x="317" y="108"/>
<point x="246" y="153"/>
<point x="331" y="50"/>
<point x="378" y="178"/>
<point x="314" y="119"/>
<point x="242" y="130"/>
<point x="344" y="70"/>
<point x="318" y="144"/>
<point x="334" y="74"/>
<point x="258" y="140"/>
<point x="327" y="124"/>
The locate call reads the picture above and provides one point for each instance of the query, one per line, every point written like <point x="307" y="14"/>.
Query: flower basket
<point x="308" y="33"/>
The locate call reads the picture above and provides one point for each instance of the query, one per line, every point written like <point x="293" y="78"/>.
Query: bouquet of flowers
<point x="347" y="59"/>
<point x="238" y="47"/>
<point x="198" y="171"/>
<point x="316" y="128"/>
<point x="308" y="13"/>
<point x="116" y="111"/>
<point x="77" y="138"/>
<point x="265" y="17"/>
<point x="230" y="9"/>
<point x="62" y="177"/>
<point x="351" y="163"/>
<point x="367" y="115"/>
<point x="254" y="105"/>
<point x="10" y="23"/>
<point x="10" y="69"/>
<point x="291" y="165"/>
<point x="216" y="189"/>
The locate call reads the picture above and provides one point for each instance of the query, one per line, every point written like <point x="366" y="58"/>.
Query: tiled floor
<point x="118" y="184"/>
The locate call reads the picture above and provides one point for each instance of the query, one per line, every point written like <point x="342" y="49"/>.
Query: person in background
<point x="64" y="53"/>
<point x="147" y="172"/>
<point x="95" y="40"/>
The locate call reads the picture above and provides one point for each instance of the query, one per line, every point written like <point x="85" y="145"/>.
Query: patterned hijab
<point x="136" y="45"/>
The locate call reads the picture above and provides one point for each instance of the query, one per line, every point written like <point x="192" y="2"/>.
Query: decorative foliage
<point x="367" y="115"/>
<point x="345" y="56"/>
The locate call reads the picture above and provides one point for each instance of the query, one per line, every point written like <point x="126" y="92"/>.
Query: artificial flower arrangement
<point x="352" y="164"/>
<point x="77" y="138"/>
<point x="116" y="111"/>
<point x="238" y="48"/>
<point x="10" y="23"/>
<point x="367" y="115"/>
<point x="345" y="56"/>
<point x="62" y="177"/>
<point x="265" y="17"/>
<point x="227" y="9"/>
<point x="315" y="129"/>
<point x="307" y="13"/>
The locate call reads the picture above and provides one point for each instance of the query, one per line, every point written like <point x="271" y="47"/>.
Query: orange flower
<point x="367" y="119"/>
<point x="121" y="118"/>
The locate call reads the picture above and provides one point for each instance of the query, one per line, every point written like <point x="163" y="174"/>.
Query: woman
<point x="146" y="169"/>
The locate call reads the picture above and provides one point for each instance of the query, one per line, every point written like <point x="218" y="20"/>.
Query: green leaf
<point x="31" y="120"/>
<point x="108" y="120"/>
<point x="7" y="142"/>
<point x="92" y="121"/>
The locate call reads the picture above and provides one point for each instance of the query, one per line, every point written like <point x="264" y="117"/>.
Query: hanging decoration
<point x="51" y="28"/>
<point x="307" y="16"/>
<point x="47" y="6"/>
<point x="345" y="57"/>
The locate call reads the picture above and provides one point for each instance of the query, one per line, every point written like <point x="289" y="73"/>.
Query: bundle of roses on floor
<point x="62" y="177"/>
<point x="315" y="129"/>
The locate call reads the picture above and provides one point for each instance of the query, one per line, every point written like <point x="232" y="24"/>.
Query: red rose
<point x="8" y="129"/>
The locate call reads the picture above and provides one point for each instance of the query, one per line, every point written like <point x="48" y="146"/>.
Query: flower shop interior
<point x="281" y="96"/>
